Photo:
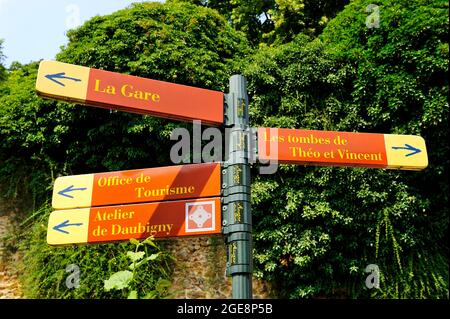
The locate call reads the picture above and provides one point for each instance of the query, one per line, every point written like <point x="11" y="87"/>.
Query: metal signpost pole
<point x="237" y="222"/>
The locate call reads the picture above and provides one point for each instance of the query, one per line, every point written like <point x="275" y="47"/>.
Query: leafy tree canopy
<point x="275" y="21"/>
<point x="2" y="68"/>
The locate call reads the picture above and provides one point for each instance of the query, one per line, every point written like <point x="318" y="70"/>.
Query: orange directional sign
<point x="114" y="223"/>
<point x="136" y="186"/>
<point x="128" y="93"/>
<point x="292" y="146"/>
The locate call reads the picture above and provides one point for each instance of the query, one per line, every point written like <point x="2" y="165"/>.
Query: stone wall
<point x="9" y="284"/>
<point x="199" y="269"/>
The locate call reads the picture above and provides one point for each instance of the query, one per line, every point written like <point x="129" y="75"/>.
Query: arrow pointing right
<point x="408" y="147"/>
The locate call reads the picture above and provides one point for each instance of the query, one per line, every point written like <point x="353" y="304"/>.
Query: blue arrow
<point x="62" y="75"/>
<point x="69" y="189"/>
<point x="65" y="224"/>
<point x="408" y="148"/>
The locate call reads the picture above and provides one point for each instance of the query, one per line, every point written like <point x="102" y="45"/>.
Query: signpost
<point x="133" y="94"/>
<point x="237" y="219"/>
<point x="407" y="152"/>
<point x="193" y="199"/>
<point x="115" y="223"/>
<point x="137" y="186"/>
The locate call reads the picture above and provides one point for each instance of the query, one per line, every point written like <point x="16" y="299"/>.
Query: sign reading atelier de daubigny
<point x="195" y="199"/>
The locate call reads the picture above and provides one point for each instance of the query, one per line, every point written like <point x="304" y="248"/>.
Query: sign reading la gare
<point x="129" y="93"/>
<point x="126" y="90"/>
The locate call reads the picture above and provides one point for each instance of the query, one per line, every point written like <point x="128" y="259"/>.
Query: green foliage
<point x="126" y="279"/>
<point x="252" y="18"/>
<point x="119" y="280"/>
<point x="2" y="68"/>
<point x="292" y="17"/>
<point x="316" y="229"/>
<point x="43" y="268"/>
<point x="424" y="275"/>
<point x="275" y="21"/>
<point x="30" y="136"/>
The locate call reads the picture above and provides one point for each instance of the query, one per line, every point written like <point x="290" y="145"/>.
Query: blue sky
<point x="36" y="29"/>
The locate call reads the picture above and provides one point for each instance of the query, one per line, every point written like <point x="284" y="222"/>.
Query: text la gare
<point x="126" y="90"/>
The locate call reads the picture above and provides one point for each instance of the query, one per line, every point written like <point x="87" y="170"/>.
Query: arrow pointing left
<point x="69" y="189"/>
<point x="65" y="224"/>
<point x="62" y="75"/>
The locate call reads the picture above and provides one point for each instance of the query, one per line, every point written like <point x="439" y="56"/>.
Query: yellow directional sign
<point x="63" y="81"/>
<point x="407" y="152"/>
<point x="72" y="224"/>
<point x="137" y="186"/>
<point x="73" y="191"/>
<point x="128" y="93"/>
<point x="188" y="217"/>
